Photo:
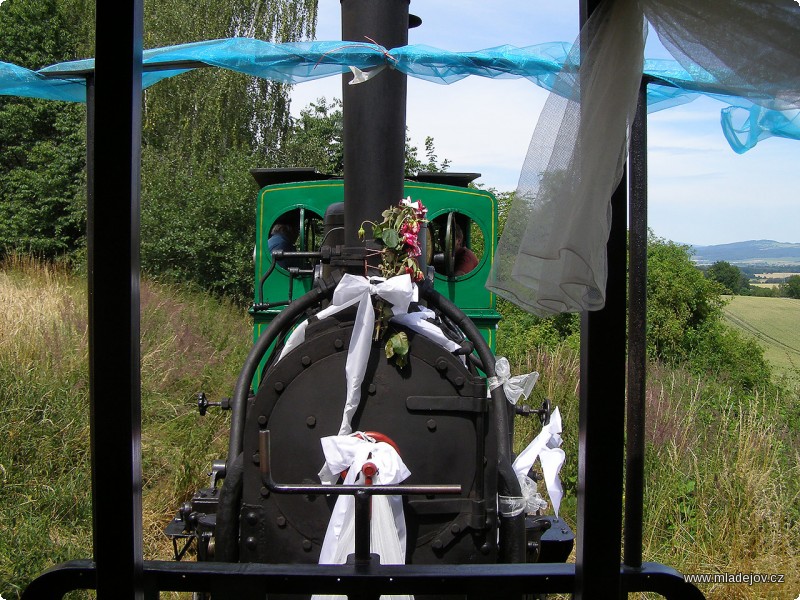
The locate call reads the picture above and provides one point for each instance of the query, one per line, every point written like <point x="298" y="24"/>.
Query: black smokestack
<point x="374" y="117"/>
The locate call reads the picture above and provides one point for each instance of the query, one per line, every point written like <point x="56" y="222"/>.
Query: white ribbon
<point x="399" y="291"/>
<point x="419" y="321"/>
<point x="514" y="387"/>
<point x="530" y="502"/>
<point x="387" y="523"/>
<point x="545" y="446"/>
<point x="360" y="76"/>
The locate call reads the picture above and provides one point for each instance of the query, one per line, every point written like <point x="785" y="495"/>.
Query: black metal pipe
<point x="637" y="337"/>
<point x="374" y="115"/>
<point x="601" y="426"/>
<point x="226" y="532"/>
<point x="282" y="321"/>
<point x="362" y="536"/>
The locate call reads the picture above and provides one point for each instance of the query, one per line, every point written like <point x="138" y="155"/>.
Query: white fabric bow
<point x="360" y="76"/>
<point x="399" y="291"/>
<point x="545" y="446"/>
<point x="514" y="387"/>
<point x="387" y="523"/>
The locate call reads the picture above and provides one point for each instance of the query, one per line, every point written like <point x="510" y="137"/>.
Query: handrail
<point x="252" y="578"/>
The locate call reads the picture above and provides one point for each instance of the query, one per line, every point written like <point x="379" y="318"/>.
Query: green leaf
<point x="390" y="238"/>
<point x="398" y="347"/>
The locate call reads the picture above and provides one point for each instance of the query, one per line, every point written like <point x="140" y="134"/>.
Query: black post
<point x="374" y="117"/>
<point x="637" y="336"/>
<point x="114" y="113"/>
<point x="601" y="424"/>
<point x="601" y="427"/>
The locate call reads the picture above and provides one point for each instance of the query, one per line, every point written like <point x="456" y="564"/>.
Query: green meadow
<point x="775" y="323"/>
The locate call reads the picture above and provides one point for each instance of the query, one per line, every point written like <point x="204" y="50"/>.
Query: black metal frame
<point x="118" y="569"/>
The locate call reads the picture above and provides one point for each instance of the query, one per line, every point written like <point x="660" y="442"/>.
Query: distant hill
<point x="752" y="252"/>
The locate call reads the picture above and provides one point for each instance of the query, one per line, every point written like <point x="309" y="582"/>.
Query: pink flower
<point x="410" y="227"/>
<point x="410" y="240"/>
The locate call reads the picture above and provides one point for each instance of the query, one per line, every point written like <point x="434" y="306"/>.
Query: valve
<point x="203" y="404"/>
<point x="369" y="469"/>
<point x="543" y="413"/>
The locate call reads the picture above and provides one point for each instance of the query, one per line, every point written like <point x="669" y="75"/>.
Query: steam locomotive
<point x="437" y="414"/>
<point x="454" y="437"/>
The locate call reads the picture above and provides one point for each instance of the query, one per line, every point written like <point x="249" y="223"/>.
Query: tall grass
<point x="722" y="476"/>
<point x="722" y="481"/>
<point x="190" y="342"/>
<point x="723" y="484"/>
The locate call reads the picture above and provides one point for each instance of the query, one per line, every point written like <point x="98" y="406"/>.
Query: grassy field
<point x="190" y="342"/>
<point x="775" y="322"/>
<point x="722" y="472"/>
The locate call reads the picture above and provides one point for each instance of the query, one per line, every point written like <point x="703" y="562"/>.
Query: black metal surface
<point x="300" y="401"/>
<point x="446" y="178"/>
<point x="512" y="529"/>
<point x="637" y="337"/>
<point x="114" y="143"/>
<point x="239" y="580"/>
<point x="374" y="117"/>
<point x="556" y="542"/>
<point x="282" y="322"/>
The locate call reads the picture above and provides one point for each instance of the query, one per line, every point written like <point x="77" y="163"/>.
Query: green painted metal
<point x="312" y="198"/>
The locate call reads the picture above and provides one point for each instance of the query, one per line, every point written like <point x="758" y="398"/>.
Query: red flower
<point x="410" y="240"/>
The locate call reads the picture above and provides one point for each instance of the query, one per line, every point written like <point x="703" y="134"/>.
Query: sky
<point x="700" y="191"/>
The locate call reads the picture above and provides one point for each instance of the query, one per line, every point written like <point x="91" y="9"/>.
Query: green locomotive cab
<point x="296" y="201"/>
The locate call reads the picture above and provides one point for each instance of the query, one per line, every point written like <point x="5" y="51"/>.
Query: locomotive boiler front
<point x="434" y="410"/>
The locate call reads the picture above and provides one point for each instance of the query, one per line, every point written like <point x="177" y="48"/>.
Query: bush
<point x="521" y="332"/>
<point x="685" y="321"/>
<point x="198" y="223"/>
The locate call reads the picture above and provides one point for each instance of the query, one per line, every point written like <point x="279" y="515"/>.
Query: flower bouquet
<point x="398" y="234"/>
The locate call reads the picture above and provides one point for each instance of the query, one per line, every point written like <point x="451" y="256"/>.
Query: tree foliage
<point x="680" y="300"/>
<point x="316" y="137"/>
<point x="685" y="320"/>
<point x="207" y="113"/>
<point x="791" y="288"/>
<point x="729" y="276"/>
<point x="42" y="156"/>
<point x="201" y="133"/>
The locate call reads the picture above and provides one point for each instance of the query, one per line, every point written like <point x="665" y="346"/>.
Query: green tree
<point x="207" y="113"/>
<point x="791" y="288"/>
<point x="729" y="276"/>
<point x="685" y="320"/>
<point x="431" y="162"/>
<point x="679" y="300"/>
<point x="42" y="156"/>
<point x="315" y="139"/>
<point x="202" y="131"/>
